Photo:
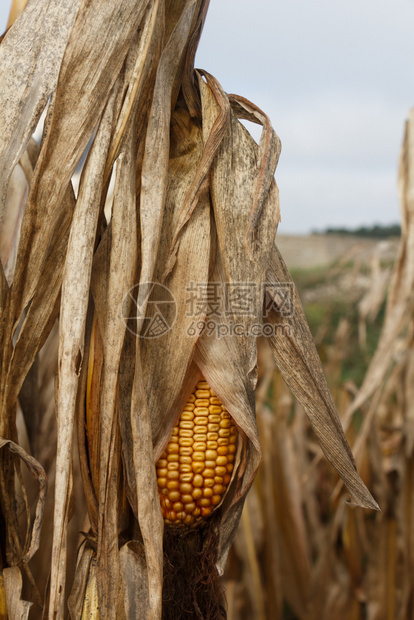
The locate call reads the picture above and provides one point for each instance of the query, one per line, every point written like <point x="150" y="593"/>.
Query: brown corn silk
<point x="182" y="165"/>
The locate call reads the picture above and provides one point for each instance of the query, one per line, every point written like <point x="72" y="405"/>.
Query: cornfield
<point x="157" y="462"/>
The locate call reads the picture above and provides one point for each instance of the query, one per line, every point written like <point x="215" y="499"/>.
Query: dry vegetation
<point x="87" y="412"/>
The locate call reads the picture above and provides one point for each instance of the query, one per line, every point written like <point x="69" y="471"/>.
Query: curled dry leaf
<point x="37" y="472"/>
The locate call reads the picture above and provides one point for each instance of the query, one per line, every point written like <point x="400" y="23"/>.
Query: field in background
<point x="322" y="250"/>
<point x="302" y="553"/>
<point x="342" y="281"/>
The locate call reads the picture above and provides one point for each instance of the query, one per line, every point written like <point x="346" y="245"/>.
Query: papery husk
<point x="15" y="605"/>
<point x="166" y="360"/>
<point x="75" y="298"/>
<point x="155" y="161"/>
<point x="38" y="472"/>
<point x="212" y="137"/>
<point x="242" y="181"/>
<point x="135" y="579"/>
<point x="236" y="186"/>
<point x="231" y="383"/>
<point x="40" y="35"/>
<point x="123" y="261"/>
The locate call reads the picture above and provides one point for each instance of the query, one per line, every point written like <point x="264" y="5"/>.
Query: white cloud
<point x="318" y="198"/>
<point x="340" y="129"/>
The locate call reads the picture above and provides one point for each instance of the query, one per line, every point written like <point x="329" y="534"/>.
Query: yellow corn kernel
<point x="202" y="402"/>
<point x="194" y="470"/>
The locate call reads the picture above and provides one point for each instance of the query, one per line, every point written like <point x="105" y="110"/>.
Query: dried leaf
<point x="221" y="363"/>
<point x="75" y="298"/>
<point x="76" y="599"/>
<point x="272" y="567"/>
<point x="17" y="192"/>
<point x="4" y="292"/>
<point x="254" y="576"/>
<point x="16" y="10"/>
<point x="135" y="581"/>
<point x="40" y="36"/>
<point x="149" y="512"/>
<point x="296" y="357"/>
<point x="240" y="183"/>
<point x="16" y="607"/>
<point x="139" y="76"/>
<point x="155" y="163"/>
<point x="409" y="400"/>
<point x="86" y="406"/>
<point x="123" y="261"/>
<point x="126" y="380"/>
<point x="37" y="472"/>
<point x="166" y="359"/>
<point x="189" y="88"/>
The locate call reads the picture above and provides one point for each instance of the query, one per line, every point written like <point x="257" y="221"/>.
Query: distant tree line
<point x="376" y="232"/>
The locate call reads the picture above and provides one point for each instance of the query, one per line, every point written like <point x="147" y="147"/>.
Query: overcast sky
<point x="337" y="80"/>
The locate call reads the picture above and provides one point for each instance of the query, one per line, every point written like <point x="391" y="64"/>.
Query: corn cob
<point x="195" y="469"/>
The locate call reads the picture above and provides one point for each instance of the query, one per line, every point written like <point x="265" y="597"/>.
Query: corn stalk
<point x="194" y="201"/>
